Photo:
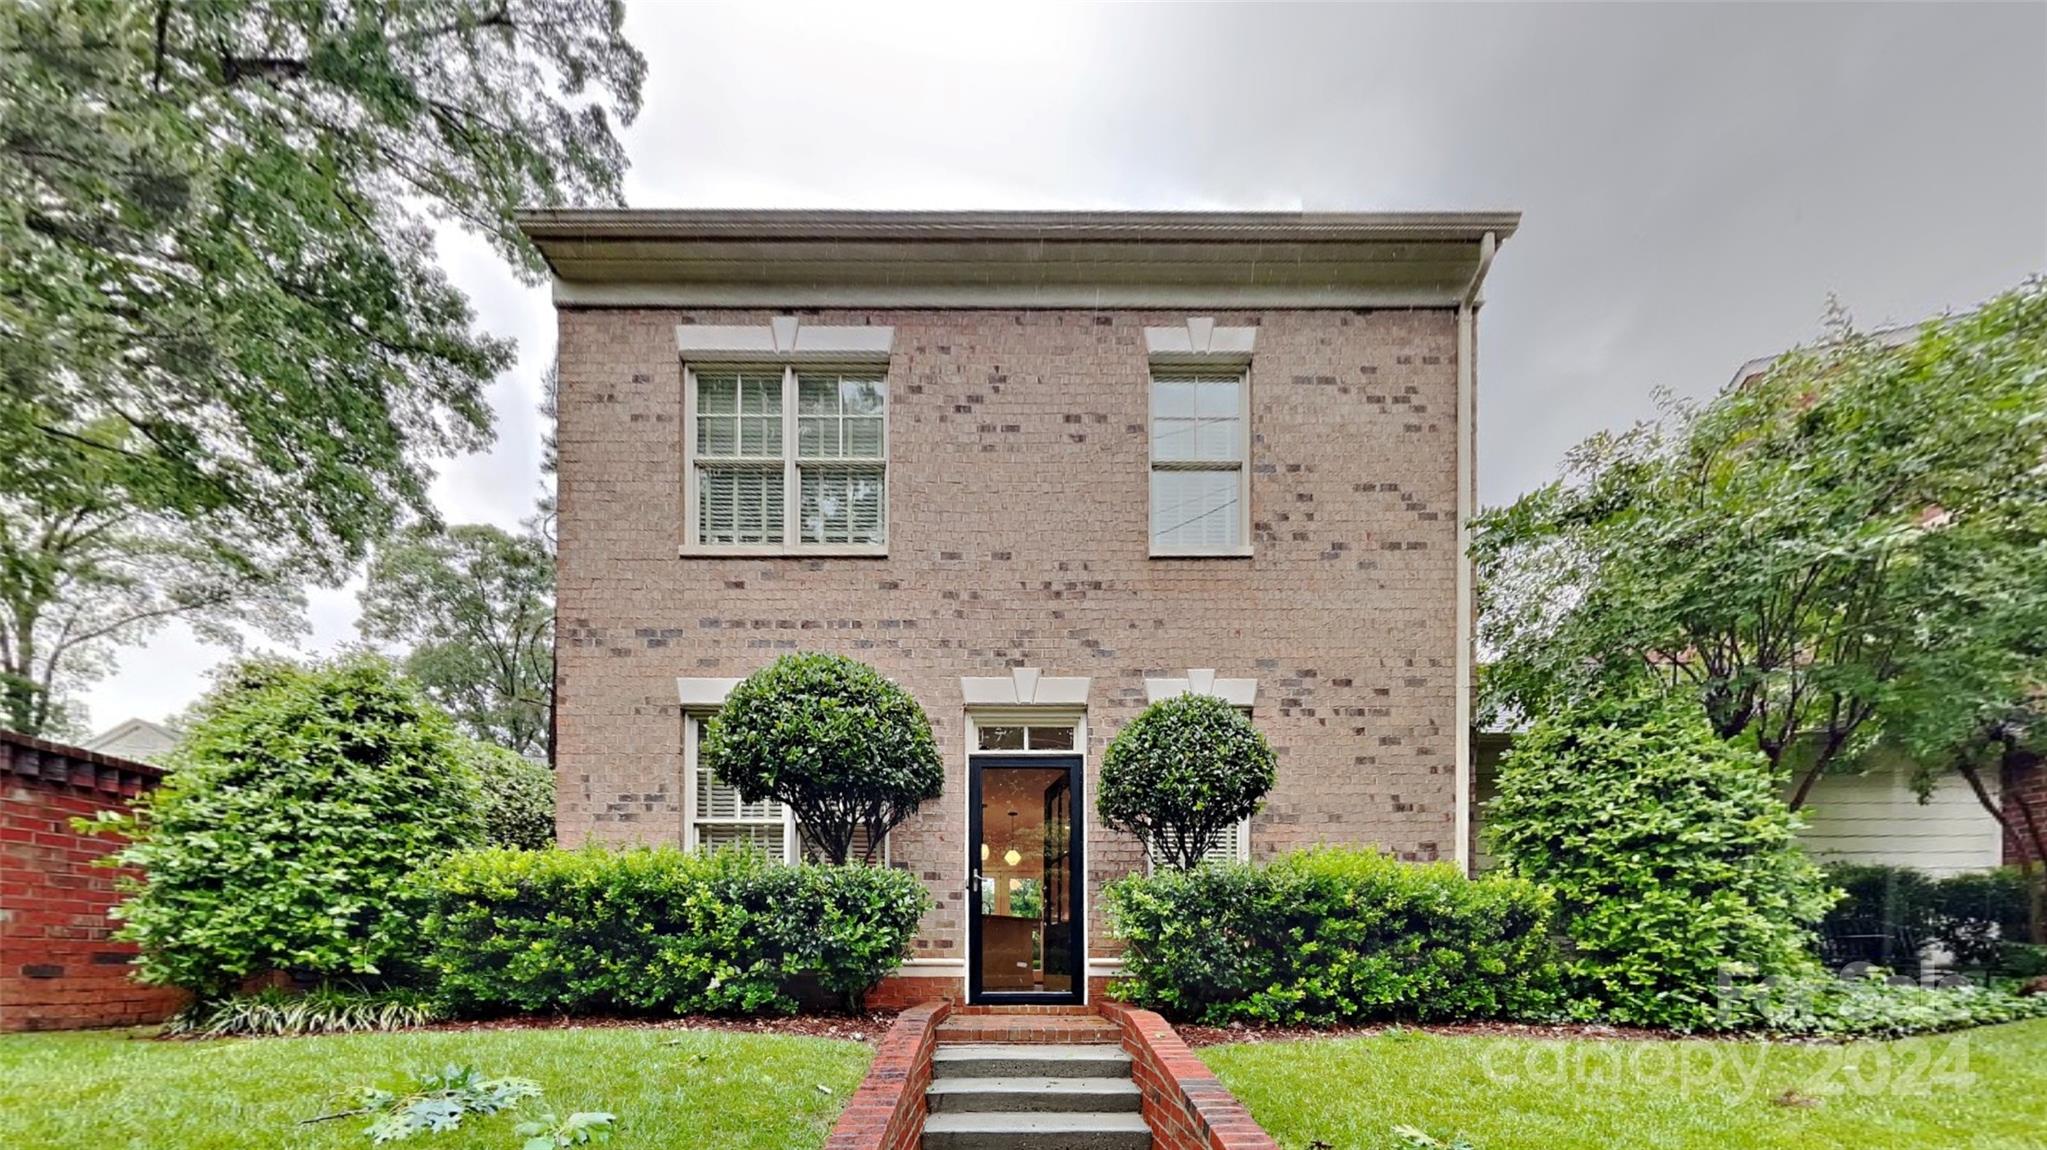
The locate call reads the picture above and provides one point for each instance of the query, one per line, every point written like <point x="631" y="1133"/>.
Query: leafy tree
<point x="1671" y="854"/>
<point x="1995" y="742"/>
<point x="846" y="749"/>
<point x="475" y="606"/>
<point x="222" y="329"/>
<point x="83" y="571"/>
<point x="518" y="797"/>
<point x="1801" y="552"/>
<point x="288" y="833"/>
<point x="1182" y="773"/>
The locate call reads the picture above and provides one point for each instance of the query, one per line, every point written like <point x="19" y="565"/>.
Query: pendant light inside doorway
<point x="1012" y="856"/>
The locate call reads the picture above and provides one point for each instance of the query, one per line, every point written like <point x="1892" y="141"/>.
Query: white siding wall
<point x="1876" y="818"/>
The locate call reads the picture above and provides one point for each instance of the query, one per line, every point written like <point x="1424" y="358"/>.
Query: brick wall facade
<point x="1018" y="536"/>
<point x="2024" y="788"/>
<point x="58" y="968"/>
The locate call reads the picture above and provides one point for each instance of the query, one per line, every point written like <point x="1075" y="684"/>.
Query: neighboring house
<point x="1872" y="817"/>
<point x="1040" y="469"/>
<point x="137" y="739"/>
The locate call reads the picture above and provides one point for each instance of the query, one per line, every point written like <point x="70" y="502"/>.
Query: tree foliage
<point x="1182" y="773"/>
<point x="1670" y="852"/>
<point x="518" y="797"/>
<point x="223" y="332"/>
<point x="474" y="606"/>
<point x="289" y="831"/>
<point x="1849" y="542"/>
<point x="846" y="750"/>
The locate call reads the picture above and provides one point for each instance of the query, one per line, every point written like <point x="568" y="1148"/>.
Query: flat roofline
<point x="543" y="224"/>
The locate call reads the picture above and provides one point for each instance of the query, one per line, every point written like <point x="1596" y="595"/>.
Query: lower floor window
<point x="719" y="818"/>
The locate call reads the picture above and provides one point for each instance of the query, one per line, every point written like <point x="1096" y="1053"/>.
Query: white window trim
<point x="792" y="491"/>
<point x="701" y="698"/>
<point x="1241" y="464"/>
<point x="692" y="724"/>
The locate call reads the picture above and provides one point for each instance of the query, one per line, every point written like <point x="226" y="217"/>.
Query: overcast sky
<point x="1695" y="180"/>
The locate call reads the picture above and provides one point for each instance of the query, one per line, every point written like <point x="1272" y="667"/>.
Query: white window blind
<point x="1199" y="449"/>
<point x="744" y="471"/>
<point x="717" y="816"/>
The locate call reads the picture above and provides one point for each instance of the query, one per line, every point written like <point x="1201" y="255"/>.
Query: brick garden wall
<point x="58" y="968"/>
<point x="887" y="1111"/>
<point x="1186" y="1105"/>
<point x="1018" y="536"/>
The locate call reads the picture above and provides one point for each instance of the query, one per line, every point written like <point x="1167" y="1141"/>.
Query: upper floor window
<point x="1200" y="473"/>
<point x="787" y="459"/>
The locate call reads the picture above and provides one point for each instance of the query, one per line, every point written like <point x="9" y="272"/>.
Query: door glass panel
<point x="1025" y="881"/>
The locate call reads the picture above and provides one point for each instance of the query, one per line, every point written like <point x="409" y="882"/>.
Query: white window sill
<point x="785" y="551"/>
<point x="1227" y="553"/>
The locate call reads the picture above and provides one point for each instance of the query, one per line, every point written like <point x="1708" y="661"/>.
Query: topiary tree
<point x="518" y="796"/>
<point x="846" y="749"/>
<point x="1181" y="773"/>
<point x="298" y="808"/>
<point x="1671" y="853"/>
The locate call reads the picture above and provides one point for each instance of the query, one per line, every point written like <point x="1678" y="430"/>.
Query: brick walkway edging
<point x="1187" y="1107"/>
<point x="887" y="1111"/>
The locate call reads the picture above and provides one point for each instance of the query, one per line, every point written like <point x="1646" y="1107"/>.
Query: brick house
<point x="1038" y="468"/>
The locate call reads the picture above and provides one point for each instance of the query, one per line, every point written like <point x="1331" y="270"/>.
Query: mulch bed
<point x="866" y="1028"/>
<point x="1199" y="1036"/>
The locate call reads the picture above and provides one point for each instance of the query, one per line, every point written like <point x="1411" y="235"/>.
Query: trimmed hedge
<point x="657" y="930"/>
<point x="1333" y="936"/>
<point x="1980" y="917"/>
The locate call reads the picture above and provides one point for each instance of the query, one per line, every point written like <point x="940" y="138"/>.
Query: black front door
<point x="1025" y="938"/>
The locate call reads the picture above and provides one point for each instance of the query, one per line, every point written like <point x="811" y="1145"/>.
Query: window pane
<point x="739" y="506"/>
<point x="717" y="394"/>
<point x="764" y="837"/>
<point x="1217" y="397"/>
<point x="817" y="437"/>
<point x="862" y="396"/>
<point x="1216" y="439"/>
<point x="863" y="437"/>
<point x="760" y="436"/>
<point x="1173" y="397"/>
<point x="1173" y="439"/>
<point x="1051" y="738"/>
<point x="1002" y="738"/>
<point x="761" y="395"/>
<point x="843" y="504"/>
<point x="817" y="395"/>
<point x="717" y="435"/>
<point x="1194" y="511"/>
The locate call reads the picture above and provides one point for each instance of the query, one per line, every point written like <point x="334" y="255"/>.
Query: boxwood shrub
<point x="1332" y="936"/>
<point x="657" y="930"/>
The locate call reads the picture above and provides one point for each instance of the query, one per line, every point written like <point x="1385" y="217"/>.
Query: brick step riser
<point x="1030" y="1035"/>
<point x="1022" y="1065"/>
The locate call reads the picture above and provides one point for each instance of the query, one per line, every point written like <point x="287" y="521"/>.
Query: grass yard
<point x="110" y="1091"/>
<point x="1974" y="1089"/>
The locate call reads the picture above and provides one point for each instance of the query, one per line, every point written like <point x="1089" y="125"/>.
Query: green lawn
<point x="109" y="1091"/>
<point x="1974" y="1089"/>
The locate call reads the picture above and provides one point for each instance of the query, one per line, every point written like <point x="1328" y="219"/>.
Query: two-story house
<point x="1040" y="469"/>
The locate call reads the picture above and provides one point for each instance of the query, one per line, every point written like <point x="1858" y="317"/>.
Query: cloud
<point x="1696" y="179"/>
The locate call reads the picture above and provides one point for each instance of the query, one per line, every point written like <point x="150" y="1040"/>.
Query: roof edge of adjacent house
<point x="753" y="258"/>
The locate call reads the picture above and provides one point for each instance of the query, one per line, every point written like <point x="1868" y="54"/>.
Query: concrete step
<point x="1036" y="1132"/>
<point x="975" y="1060"/>
<point x="1033" y="1095"/>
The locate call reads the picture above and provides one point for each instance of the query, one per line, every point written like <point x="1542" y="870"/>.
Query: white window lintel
<point x="1025" y="687"/>
<point x="1200" y="343"/>
<point x="785" y="339"/>
<point x="704" y="694"/>
<point x="1203" y="681"/>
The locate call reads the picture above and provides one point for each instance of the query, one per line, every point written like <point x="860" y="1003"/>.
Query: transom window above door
<point x="787" y="459"/>
<point x="1023" y="737"/>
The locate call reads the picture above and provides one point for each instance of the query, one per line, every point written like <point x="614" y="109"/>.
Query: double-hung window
<point x="788" y="459"/>
<point x="1200" y="473"/>
<point x="717" y="816"/>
